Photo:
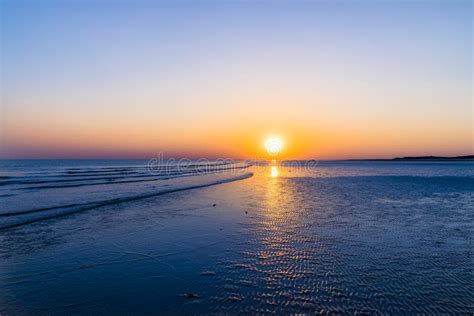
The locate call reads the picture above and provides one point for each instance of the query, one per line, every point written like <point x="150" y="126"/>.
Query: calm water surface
<point x="337" y="237"/>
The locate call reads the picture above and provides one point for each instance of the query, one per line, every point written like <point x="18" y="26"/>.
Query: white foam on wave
<point x="31" y="190"/>
<point x="21" y="217"/>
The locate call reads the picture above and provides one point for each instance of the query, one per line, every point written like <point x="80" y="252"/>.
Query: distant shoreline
<point x="420" y="158"/>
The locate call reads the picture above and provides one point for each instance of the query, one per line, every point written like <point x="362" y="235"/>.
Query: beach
<point x="236" y="157"/>
<point x="337" y="237"/>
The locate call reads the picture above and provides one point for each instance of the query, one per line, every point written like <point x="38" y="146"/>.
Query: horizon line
<point x="422" y="157"/>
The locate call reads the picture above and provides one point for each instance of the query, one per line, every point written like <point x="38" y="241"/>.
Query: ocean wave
<point x="21" y="217"/>
<point x="130" y="173"/>
<point x="71" y="183"/>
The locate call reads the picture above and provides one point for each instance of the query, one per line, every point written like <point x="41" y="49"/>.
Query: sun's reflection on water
<point x="274" y="172"/>
<point x="278" y="229"/>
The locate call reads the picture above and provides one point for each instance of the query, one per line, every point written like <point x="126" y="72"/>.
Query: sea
<point x="108" y="237"/>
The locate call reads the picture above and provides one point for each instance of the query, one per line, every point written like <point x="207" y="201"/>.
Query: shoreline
<point x="419" y="158"/>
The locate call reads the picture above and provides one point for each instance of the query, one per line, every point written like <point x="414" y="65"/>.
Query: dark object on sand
<point x="214" y="205"/>
<point x="189" y="296"/>
<point x="246" y="212"/>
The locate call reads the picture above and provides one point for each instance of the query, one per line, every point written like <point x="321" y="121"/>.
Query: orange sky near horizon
<point x="247" y="142"/>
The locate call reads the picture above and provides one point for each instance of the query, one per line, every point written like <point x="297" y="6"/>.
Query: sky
<point x="215" y="79"/>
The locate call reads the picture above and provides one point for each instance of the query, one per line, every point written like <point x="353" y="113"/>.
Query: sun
<point x="274" y="146"/>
